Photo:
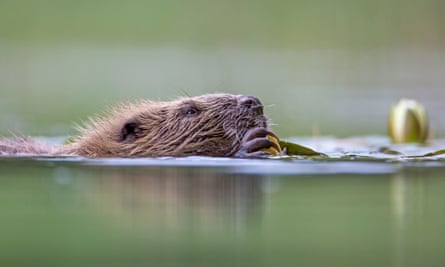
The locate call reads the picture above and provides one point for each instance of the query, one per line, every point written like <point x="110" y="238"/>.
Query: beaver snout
<point x="252" y="103"/>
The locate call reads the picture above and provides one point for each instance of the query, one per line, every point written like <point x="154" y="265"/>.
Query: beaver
<point x="219" y="125"/>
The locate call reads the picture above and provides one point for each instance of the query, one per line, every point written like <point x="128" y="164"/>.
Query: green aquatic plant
<point x="289" y="148"/>
<point x="408" y="122"/>
<point x="293" y="149"/>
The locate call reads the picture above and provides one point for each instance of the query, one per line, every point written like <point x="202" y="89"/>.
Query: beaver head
<point x="210" y="125"/>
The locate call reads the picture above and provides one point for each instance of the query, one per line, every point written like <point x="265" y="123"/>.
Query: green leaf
<point x="435" y="153"/>
<point x="431" y="154"/>
<point x="388" y="151"/>
<point x="293" y="149"/>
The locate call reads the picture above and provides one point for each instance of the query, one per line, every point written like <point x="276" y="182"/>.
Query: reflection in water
<point x="398" y="200"/>
<point x="408" y="209"/>
<point x="62" y="213"/>
<point x="173" y="197"/>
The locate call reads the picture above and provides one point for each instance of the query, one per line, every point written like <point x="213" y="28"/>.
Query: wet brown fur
<point x="210" y="125"/>
<point x="26" y="146"/>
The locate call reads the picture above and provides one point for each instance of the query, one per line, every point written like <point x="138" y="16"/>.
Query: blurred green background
<point x="320" y="67"/>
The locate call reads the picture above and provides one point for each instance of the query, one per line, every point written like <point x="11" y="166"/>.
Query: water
<point x="221" y="212"/>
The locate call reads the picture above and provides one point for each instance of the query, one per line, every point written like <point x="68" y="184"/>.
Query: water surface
<point x="221" y="212"/>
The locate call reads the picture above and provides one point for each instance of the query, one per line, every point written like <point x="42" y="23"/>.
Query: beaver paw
<point x="255" y="143"/>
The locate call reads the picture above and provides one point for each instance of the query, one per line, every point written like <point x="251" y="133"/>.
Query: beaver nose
<point x="252" y="103"/>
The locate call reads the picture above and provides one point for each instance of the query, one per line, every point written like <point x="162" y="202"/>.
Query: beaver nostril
<point x="252" y="103"/>
<point x="249" y="101"/>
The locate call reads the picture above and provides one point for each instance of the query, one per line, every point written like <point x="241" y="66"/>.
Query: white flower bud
<point x="408" y="122"/>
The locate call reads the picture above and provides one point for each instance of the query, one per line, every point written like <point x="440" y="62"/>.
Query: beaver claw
<point x="253" y="143"/>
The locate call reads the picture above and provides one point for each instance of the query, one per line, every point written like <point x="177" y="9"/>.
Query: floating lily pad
<point x="388" y="151"/>
<point x="435" y="153"/>
<point x="293" y="149"/>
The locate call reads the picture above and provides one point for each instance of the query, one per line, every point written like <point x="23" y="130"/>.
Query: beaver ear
<point x="130" y="130"/>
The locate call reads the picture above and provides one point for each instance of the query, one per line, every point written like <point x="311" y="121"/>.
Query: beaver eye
<point x="190" y="111"/>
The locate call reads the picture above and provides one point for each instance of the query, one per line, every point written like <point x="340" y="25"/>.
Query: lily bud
<point x="408" y="122"/>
